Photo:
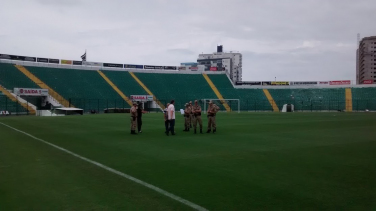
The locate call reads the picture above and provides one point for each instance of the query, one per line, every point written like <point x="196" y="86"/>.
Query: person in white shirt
<point x="171" y="117"/>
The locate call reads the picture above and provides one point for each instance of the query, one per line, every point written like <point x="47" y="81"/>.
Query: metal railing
<point x="248" y="105"/>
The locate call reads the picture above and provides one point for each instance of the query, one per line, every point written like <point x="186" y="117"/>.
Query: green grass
<point x="256" y="161"/>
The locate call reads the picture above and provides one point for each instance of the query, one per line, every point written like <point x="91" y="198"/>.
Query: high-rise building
<point x="229" y="62"/>
<point x="366" y="61"/>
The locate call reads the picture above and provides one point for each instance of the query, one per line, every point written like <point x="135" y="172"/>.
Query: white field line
<point x="159" y="190"/>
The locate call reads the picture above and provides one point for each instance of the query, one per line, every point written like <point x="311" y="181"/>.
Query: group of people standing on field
<point x="192" y="114"/>
<point x="136" y="117"/>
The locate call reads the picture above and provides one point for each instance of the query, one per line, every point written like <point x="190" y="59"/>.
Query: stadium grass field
<point x="256" y="161"/>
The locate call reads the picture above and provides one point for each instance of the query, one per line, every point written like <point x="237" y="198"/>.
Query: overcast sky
<point x="287" y="39"/>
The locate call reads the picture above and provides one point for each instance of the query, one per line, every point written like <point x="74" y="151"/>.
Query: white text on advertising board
<point x="142" y="97"/>
<point x="4" y="113"/>
<point x="30" y="92"/>
<point x="346" y="82"/>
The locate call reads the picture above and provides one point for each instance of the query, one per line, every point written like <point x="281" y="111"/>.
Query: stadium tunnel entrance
<point x="37" y="98"/>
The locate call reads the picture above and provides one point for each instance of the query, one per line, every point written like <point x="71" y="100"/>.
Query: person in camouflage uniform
<point x="196" y="110"/>
<point x="191" y="116"/>
<point x="133" y="112"/>
<point x="212" y="111"/>
<point x="187" y="114"/>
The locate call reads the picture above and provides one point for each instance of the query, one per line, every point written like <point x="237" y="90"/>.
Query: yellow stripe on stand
<point x="14" y="99"/>
<point x="115" y="87"/>
<point x="349" y="106"/>
<point x="147" y="90"/>
<point x="271" y="101"/>
<point x="215" y="90"/>
<point x="42" y="85"/>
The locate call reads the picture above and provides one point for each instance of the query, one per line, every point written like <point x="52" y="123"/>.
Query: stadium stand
<point x="11" y="78"/>
<point x="122" y="95"/>
<point x="89" y="90"/>
<point x="364" y="98"/>
<point x="329" y="99"/>
<point x="43" y="85"/>
<point x="124" y="81"/>
<point x="250" y="99"/>
<point x="217" y="92"/>
<point x="181" y="87"/>
<point x="85" y="89"/>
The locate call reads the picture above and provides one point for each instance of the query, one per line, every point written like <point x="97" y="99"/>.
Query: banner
<point x="19" y="58"/>
<point x="323" y="83"/>
<point x="368" y="82"/>
<point x="299" y="83"/>
<point x="98" y="64"/>
<point x="54" y="61"/>
<point x="4" y="113"/>
<point x="44" y="60"/>
<point x="30" y="92"/>
<point x="4" y="56"/>
<point x="142" y="98"/>
<point x="113" y="65"/>
<point x="77" y="62"/>
<point x="153" y="67"/>
<point x="252" y="83"/>
<point x="346" y="82"/>
<point x="182" y="68"/>
<point x="239" y="83"/>
<point x="193" y="68"/>
<point x="213" y="69"/>
<point x="63" y="61"/>
<point x="134" y="66"/>
<point x="169" y="67"/>
<point x="266" y="83"/>
<point x="280" y="83"/>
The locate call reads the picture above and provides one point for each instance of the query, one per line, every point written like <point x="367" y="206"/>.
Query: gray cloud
<point x="290" y="39"/>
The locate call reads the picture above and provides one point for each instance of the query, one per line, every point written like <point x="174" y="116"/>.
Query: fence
<point x="100" y="105"/>
<point x="13" y="107"/>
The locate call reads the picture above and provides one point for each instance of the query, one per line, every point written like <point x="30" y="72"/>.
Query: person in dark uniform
<point x="140" y="111"/>
<point x="165" y="115"/>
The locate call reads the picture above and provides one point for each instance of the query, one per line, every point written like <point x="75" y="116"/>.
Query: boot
<point x="208" y="131"/>
<point x="195" y="131"/>
<point x="214" y="130"/>
<point x="133" y="132"/>
<point x="201" y="130"/>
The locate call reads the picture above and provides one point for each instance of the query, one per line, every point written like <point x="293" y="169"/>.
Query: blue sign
<point x="189" y="64"/>
<point x="134" y="66"/>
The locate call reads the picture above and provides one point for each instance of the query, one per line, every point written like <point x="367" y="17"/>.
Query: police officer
<point x="212" y="111"/>
<point x="133" y="112"/>
<point x="191" y="117"/>
<point x="197" y="116"/>
<point x="187" y="114"/>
